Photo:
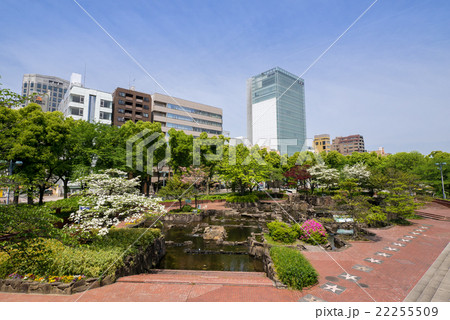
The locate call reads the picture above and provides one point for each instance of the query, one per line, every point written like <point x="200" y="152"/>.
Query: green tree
<point x="176" y="189"/>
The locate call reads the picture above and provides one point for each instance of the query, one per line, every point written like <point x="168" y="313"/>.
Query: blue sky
<point x="387" y="78"/>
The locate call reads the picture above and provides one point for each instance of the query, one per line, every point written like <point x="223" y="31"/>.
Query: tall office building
<point x="50" y="90"/>
<point x="87" y="104"/>
<point x="276" y="111"/>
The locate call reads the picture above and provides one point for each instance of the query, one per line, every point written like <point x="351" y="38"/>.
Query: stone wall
<point x="142" y="262"/>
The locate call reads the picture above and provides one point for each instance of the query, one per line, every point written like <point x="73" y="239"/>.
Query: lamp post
<point x="440" y="164"/>
<point x="12" y="164"/>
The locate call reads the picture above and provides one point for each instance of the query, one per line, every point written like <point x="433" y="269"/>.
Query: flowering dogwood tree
<point x="108" y="199"/>
<point x="324" y="176"/>
<point x="358" y="172"/>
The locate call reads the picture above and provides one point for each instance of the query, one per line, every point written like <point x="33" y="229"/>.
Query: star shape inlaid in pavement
<point x="333" y="288"/>
<point x="362" y="268"/>
<point x="372" y="260"/>
<point x="419" y="230"/>
<point x="410" y="237"/>
<point x="416" y="233"/>
<point x="391" y="249"/>
<point x="404" y="240"/>
<point x="348" y="276"/>
<point x="387" y="255"/>
<point x="310" y="298"/>
<point x="424" y="227"/>
<point x="398" y="244"/>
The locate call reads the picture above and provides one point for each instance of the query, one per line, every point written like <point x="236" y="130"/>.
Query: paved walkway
<point x="385" y="269"/>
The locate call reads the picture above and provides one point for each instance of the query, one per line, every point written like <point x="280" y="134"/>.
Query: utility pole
<point x="440" y="164"/>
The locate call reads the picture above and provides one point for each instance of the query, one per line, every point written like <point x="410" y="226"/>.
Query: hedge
<point x="293" y="269"/>
<point x="249" y="198"/>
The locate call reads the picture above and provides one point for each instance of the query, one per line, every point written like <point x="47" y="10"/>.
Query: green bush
<point x="249" y="198"/>
<point x="66" y="206"/>
<point x="280" y="231"/>
<point x="103" y="255"/>
<point x="293" y="269"/>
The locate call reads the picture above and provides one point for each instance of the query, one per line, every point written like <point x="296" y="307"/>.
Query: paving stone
<point x="391" y="249"/>
<point x="383" y="254"/>
<point x="332" y="287"/>
<point x="310" y="298"/>
<point x="362" y="268"/>
<point x="399" y="244"/>
<point x="372" y="260"/>
<point x="349" y="277"/>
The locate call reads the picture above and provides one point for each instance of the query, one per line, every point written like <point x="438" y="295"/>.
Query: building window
<point x="24" y="90"/>
<point x="25" y="84"/>
<point x="105" y="115"/>
<point x="105" y="104"/>
<point x="38" y="85"/>
<point x="31" y="84"/>
<point x="76" y="111"/>
<point x="44" y="86"/>
<point x="75" y="98"/>
<point x="122" y="94"/>
<point x="60" y="95"/>
<point x="121" y="110"/>
<point x="145" y="115"/>
<point x="146" y="99"/>
<point x="146" y="107"/>
<point x="120" y="119"/>
<point x="60" y="90"/>
<point x="50" y="88"/>
<point x="121" y="102"/>
<point x="138" y="113"/>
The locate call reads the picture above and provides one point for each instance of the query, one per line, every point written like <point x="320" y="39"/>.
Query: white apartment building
<point x="86" y="104"/>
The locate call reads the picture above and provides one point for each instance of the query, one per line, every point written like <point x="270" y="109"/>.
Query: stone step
<point x="164" y="276"/>
<point x="432" y="216"/>
<point x="433" y="286"/>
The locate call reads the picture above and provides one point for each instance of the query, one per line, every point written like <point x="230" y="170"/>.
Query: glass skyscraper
<point x="276" y="111"/>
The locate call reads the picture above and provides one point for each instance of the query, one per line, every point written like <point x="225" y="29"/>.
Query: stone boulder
<point x="215" y="233"/>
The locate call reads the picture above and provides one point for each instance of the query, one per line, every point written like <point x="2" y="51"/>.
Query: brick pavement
<point x="382" y="270"/>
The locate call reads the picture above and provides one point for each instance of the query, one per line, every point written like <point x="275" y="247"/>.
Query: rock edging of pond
<point x="143" y="261"/>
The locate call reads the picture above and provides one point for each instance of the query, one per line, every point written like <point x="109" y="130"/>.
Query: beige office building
<point x="191" y="117"/>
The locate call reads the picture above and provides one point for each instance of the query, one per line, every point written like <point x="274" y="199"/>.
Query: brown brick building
<point x="130" y="105"/>
<point x="348" y="145"/>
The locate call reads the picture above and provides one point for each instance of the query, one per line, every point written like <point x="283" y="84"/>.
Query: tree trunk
<point x="65" y="187"/>
<point x="41" y="194"/>
<point x="147" y="193"/>
<point x="207" y="185"/>
<point x="30" y="196"/>
<point x="16" y="196"/>
<point x="179" y="200"/>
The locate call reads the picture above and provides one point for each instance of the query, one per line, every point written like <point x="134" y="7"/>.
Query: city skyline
<point x="385" y="79"/>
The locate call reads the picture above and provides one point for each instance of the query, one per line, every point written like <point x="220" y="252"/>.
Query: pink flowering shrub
<point x="313" y="232"/>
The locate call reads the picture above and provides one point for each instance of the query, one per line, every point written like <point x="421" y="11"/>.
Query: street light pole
<point x="440" y="164"/>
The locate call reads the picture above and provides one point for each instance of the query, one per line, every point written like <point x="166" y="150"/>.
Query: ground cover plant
<point x="292" y="268"/>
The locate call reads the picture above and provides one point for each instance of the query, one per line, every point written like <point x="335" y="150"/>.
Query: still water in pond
<point x="191" y="252"/>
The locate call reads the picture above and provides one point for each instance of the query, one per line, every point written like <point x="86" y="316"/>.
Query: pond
<point x="189" y="251"/>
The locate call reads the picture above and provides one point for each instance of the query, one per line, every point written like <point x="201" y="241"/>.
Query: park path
<point x="385" y="269"/>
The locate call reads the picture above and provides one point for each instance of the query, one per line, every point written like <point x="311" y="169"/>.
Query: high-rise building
<point x="348" y="145"/>
<point x="50" y="90"/>
<point x="322" y="143"/>
<point x="276" y="111"/>
<point x="191" y="117"/>
<point x="87" y="104"/>
<point x="129" y="104"/>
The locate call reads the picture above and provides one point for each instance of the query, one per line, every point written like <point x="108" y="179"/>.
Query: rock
<point x="216" y="233"/>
